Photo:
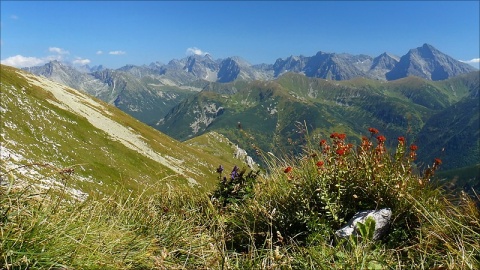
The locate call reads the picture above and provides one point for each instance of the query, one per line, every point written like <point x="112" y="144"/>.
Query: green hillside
<point x="50" y="130"/>
<point x="269" y="112"/>
<point x="85" y="186"/>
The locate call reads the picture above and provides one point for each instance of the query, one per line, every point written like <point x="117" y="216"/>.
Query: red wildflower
<point x="326" y="148"/>
<point x="380" y="149"/>
<point x="342" y="136"/>
<point x="319" y="164"/>
<point x="401" y="140"/>
<point x="438" y="161"/>
<point x="349" y="146"/>
<point x="340" y="152"/>
<point x="334" y="135"/>
<point x="288" y="169"/>
<point x="373" y="130"/>
<point x="365" y="143"/>
<point x="413" y="147"/>
<point x="381" y="139"/>
<point x="322" y="142"/>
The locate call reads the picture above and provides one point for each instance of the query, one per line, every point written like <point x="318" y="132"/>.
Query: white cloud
<point x="80" y="61"/>
<point x="58" y="50"/>
<point x="195" y="50"/>
<point x="99" y="52"/>
<point x="117" y="52"/>
<point x="475" y="62"/>
<point x="20" y="61"/>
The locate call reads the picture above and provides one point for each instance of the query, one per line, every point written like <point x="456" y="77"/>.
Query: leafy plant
<point x="235" y="189"/>
<point x="367" y="229"/>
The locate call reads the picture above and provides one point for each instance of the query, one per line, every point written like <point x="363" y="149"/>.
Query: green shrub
<point x="315" y="195"/>
<point x="235" y="189"/>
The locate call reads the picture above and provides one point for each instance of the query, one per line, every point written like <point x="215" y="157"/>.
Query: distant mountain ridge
<point x="426" y="62"/>
<point x="148" y="91"/>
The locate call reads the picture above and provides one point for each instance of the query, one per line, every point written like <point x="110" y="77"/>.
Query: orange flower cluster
<point x="413" y="154"/>
<point x="429" y="172"/>
<point x="325" y="147"/>
<point x="373" y="130"/>
<point x="381" y="139"/>
<point x="339" y="140"/>
<point x="366" y="144"/>
<point x="340" y="136"/>
<point x="401" y="140"/>
<point x="340" y="151"/>
<point x="288" y="169"/>
<point x="380" y="149"/>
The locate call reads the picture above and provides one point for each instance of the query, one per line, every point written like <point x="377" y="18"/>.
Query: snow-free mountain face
<point x="68" y="75"/>
<point x="425" y="62"/>
<point x="138" y="90"/>
<point x="428" y="63"/>
<point x="381" y="65"/>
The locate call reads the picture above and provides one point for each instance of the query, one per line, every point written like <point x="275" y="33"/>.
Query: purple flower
<point x="234" y="172"/>
<point x="220" y="169"/>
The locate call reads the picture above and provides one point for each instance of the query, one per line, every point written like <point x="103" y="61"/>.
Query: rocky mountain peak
<point x="429" y="63"/>
<point x="384" y="61"/>
<point x="202" y="66"/>
<point x="229" y="70"/>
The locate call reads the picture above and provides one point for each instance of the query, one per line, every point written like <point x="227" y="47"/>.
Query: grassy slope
<point x="287" y="221"/>
<point x="41" y="132"/>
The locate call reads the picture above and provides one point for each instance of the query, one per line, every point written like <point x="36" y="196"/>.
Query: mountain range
<point x="262" y="106"/>
<point x="154" y="89"/>
<point x="425" y="62"/>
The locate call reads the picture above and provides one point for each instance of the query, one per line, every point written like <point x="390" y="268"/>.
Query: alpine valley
<point x="49" y="129"/>
<point x="424" y="95"/>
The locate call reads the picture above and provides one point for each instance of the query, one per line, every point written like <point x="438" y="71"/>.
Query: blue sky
<point x="116" y="33"/>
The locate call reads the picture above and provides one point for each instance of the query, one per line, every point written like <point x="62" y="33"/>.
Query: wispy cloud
<point x="117" y="52"/>
<point x="99" y="52"/>
<point x="14" y="17"/>
<point x="21" y="61"/>
<point x="80" y="61"/>
<point x="471" y="61"/>
<point x="195" y="50"/>
<point x="58" y="50"/>
<point x="474" y="62"/>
